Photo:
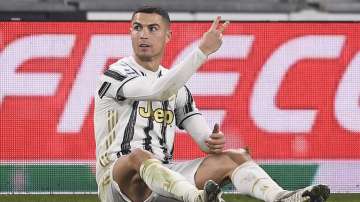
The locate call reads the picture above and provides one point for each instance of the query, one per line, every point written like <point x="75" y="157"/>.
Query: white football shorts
<point x="109" y="190"/>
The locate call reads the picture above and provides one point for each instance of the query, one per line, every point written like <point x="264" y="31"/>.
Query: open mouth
<point x="144" y="45"/>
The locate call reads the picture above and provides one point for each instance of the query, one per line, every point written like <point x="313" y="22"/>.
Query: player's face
<point x="149" y="34"/>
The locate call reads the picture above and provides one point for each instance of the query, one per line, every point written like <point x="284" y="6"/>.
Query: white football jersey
<point x="123" y="124"/>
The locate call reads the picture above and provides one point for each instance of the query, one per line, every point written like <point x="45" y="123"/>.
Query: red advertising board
<point x="285" y="90"/>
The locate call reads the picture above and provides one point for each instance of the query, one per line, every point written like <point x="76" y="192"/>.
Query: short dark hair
<point x="149" y="9"/>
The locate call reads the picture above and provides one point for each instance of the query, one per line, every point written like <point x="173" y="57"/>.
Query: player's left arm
<point x="188" y="117"/>
<point x="199" y="130"/>
<point x="209" y="142"/>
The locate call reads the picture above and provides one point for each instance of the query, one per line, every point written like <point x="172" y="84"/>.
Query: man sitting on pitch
<point x="138" y="105"/>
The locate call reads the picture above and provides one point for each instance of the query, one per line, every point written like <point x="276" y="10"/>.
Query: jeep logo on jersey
<point x="159" y="115"/>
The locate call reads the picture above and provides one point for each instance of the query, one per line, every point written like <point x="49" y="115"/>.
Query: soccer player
<point x="139" y="104"/>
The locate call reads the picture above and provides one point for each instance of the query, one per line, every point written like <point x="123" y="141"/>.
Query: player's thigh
<point x="239" y="156"/>
<point x="215" y="167"/>
<point x="123" y="173"/>
<point x="108" y="189"/>
<point x="128" y="180"/>
<point x="109" y="192"/>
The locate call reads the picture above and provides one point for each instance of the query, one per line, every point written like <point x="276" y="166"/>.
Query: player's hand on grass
<point x="216" y="141"/>
<point x="212" y="39"/>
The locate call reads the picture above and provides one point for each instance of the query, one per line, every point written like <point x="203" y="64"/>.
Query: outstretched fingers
<point x="215" y="23"/>
<point x="212" y="39"/>
<point x="223" y="27"/>
<point x="217" y="27"/>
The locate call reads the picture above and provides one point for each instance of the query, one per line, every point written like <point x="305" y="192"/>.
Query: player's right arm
<point x="119" y="86"/>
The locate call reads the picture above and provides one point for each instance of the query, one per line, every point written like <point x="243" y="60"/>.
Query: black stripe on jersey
<point x="162" y="140"/>
<point x="189" y="102"/>
<point x="132" y="73"/>
<point x="118" y="96"/>
<point x="129" y="130"/>
<point x="179" y="125"/>
<point x="114" y="75"/>
<point x="103" y="89"/>
<point x="172" y="151"/>
<point x="148" y="138"/>
<point x="143" y="73"/>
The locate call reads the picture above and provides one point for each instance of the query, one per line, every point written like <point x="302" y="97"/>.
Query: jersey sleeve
<point x="113" y="79"/>
<point x="185" y="106"/>
<point x="118" y="84"/>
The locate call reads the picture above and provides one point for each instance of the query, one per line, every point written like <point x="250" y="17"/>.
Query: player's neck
<point x="152" y="64"/>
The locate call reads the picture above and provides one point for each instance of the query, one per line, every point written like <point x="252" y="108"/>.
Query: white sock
<point x="160" y="179"/>
<point x="250" y="179"/>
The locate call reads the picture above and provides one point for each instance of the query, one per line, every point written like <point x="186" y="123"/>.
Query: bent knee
<point x="239" y="156"/>
<point x="138" y="156"/>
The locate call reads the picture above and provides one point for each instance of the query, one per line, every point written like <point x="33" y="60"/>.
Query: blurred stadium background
<point x="286" y="83"/>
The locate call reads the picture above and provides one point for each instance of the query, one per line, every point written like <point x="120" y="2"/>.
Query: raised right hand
<point x="212" y="39"/>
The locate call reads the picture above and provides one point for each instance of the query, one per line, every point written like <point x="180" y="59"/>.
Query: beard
<point x="148" y="57"/>
<point x="145" y="58"/>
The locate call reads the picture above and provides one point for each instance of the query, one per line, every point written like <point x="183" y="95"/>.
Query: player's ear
<point x="168" y="35"/>
<point x="131" y="27"/>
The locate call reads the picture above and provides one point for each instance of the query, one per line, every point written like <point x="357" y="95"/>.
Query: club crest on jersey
<point x="159" y="115"/>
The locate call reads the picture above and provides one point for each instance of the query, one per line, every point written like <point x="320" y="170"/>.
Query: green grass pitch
<point x="93" y="198"/>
